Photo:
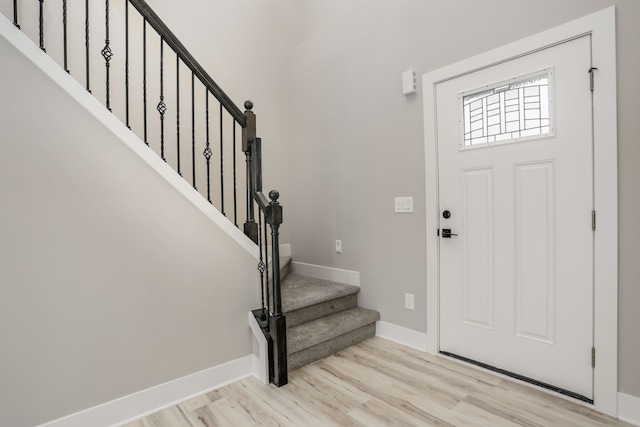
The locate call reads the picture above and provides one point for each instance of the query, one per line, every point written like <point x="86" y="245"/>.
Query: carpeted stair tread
<point x="301" y="291"/>
<point x="326" y="328"/>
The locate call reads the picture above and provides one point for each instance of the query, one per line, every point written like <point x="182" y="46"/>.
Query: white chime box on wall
<point x="409" y="82"/>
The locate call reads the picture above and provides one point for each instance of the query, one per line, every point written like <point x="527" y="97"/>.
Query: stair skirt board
<point x="260" y="351"/>
<point x="327" y="348"/>
<point x="348" y="277"/>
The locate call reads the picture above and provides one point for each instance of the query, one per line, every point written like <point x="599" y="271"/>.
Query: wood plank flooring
<point x="380" y="383"/>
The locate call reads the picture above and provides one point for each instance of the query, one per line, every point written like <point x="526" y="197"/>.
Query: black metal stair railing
<point x="270" y="316"/>
<point x="139" y="56"/>
<point x="182" y="89"/>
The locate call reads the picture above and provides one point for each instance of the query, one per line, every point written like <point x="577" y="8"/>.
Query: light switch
<point x="404" y="204"/>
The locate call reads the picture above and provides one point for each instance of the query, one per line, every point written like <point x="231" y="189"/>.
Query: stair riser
<point x="327" y="308"/>
<point x="327" y="348"/>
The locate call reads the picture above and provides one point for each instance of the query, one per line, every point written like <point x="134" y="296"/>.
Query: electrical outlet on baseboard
<point x="338" y="246"/>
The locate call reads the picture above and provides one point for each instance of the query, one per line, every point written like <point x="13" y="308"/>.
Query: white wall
<point x="243" y="45"/>
<point x="319" y="14"/>
<point x="112" y="281"/>
<point x="326" y="83"/>
<point x="357" y="142"/>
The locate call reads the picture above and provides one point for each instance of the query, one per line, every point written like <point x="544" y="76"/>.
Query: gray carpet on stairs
<point x="322" y="318"/>
<point x="326" y="328"/>
<point x="301" y="291"/>
<point x="316" y="311"/>
<point x="322" y="350"/>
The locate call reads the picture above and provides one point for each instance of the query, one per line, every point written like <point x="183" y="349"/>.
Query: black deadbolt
<point x="446" y="214"/>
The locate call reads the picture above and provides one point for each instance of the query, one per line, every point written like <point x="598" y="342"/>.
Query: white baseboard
<point x="402" y="335"/>
<point x="146" y="402"/>
<point x="347" y="277"/>
<point x="629" y="409"/>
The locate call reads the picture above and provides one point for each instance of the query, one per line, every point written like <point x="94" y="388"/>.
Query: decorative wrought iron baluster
<point x="266" y="251"/>
<point x="86" y="45"/>
<point x="207" y="151"/>
<point x="41" y="25"/>
<point x="262" y="267"/>
<point x="107" y="54"/>
<point x="235" y="184"/>
<point x="64" y="34"/>
<point x="178" y="111"/>
<point x="162" y="107"/>
<point x="126" y="62"/>
<point x="144" y="81"/>
<point x="15" y="13"/>
<point x="193" y="129"/>
<point x="221" y="166"/>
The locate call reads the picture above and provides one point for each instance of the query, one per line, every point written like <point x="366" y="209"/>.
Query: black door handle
<point x="446" y="233"/>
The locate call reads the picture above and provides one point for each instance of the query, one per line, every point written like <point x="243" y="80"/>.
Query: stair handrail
<point x="170" y="38"/>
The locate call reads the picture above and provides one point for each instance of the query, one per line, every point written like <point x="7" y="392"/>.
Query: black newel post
<point x="248" y="138"/>
<point x="278" y="325"/>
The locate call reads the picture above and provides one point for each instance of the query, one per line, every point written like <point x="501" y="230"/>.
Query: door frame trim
<point x="601" y="26"/>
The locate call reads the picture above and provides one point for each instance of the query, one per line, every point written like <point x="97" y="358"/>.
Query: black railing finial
<point x="274" y="196"/>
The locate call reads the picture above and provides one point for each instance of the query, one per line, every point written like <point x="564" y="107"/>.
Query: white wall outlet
<point x="408" y="301"/>
<point x="338" y="246"/>
<point x="404" y="204"/>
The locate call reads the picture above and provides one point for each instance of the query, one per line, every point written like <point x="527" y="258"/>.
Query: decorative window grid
<point x="508" y="112"/>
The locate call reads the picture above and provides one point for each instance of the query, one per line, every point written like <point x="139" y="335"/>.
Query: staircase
<point x="323" y="318"/>
<point x="318" y="317"/>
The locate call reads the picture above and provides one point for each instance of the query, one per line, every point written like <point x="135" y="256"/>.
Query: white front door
<point x="515" y="176"/>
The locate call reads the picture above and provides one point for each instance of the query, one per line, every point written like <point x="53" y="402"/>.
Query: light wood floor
<point x="380" y="383"/>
